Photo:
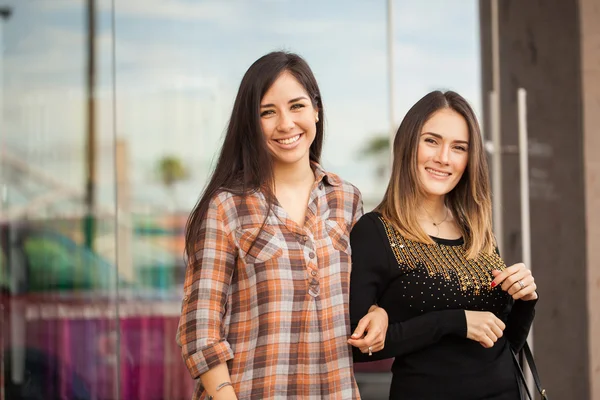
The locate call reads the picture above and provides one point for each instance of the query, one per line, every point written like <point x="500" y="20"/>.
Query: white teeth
<point x="438" y="173"/>
<point x="289" y="140"/>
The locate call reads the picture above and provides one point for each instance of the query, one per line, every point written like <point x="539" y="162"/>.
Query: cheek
<point x="461" y="164"/>
<point x="266" y="127"/>
<point x="423" y="155"/>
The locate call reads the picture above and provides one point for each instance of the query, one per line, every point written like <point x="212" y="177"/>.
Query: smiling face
<point x="443" y="152"/>
<point x="288" y="120"/>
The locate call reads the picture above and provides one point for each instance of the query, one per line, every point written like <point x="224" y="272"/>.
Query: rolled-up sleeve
<point x="203" y="327"/>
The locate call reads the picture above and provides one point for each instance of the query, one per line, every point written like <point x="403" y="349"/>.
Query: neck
<point x="287" y="175"/>
<point x="434" y="207"/>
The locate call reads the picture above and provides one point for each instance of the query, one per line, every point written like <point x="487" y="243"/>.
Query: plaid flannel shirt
<point x="276" y="312"/>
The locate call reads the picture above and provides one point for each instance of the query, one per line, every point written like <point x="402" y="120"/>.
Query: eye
<point x="297" y="106"/>
<point x="267" y="113"/>
<point x="461" y="148"/>
<point x="430" y="140"/>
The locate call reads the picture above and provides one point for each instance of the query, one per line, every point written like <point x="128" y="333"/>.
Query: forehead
<point x="285" y="87"/>
<point x="447" y="123"/>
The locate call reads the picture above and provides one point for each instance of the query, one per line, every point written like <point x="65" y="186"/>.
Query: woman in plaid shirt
<point x="265" y="309"/>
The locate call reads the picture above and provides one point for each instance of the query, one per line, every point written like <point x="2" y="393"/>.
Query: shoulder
<point x="369" y="226"/>
<point x="340" y="184"/>
<point x="368" y="241"/>
<point x="235" y="210"/>
<point x="370" y="220"/>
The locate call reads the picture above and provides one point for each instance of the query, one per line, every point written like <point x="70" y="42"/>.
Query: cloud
<point x="176" y="79"/>
<point x="178" y="10"/>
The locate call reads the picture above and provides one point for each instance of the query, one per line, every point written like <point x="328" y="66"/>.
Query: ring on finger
<point x="370" y="351"/>
<point x="521" y="284"/>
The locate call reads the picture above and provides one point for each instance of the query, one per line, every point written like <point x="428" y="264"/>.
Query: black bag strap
<point x="534" y="372"/>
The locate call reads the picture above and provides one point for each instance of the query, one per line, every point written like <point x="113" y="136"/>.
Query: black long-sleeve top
<point x="426" y="305"/>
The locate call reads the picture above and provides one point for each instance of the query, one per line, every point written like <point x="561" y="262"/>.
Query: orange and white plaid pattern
<point x="277" y="311"/>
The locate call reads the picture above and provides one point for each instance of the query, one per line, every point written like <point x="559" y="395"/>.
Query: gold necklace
<point x="437" y="225"/>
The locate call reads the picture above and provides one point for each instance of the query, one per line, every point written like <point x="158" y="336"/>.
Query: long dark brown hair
<point x="245" y="163"/>
<point x="470" y="201"/>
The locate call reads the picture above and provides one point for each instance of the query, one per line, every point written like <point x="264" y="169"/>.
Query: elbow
<point x="201" y="360"/>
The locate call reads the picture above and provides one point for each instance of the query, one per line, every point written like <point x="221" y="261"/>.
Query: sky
<point x="178" y="64"/>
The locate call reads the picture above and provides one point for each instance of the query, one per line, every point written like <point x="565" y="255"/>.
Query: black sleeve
<point x="519" y="323"/>
<point x="370" y="277"/>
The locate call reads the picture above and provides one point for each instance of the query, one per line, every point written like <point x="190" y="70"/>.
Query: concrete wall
<point x="540" y="50"/>
<point x="590" y="52"/>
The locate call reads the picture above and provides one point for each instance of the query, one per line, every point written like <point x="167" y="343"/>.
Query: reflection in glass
<point x="91" y="312"/>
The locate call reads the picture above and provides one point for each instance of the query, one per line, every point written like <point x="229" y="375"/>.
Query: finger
<point x="490" y="334"/>
<point x="506" y="273"/>
<point x="516" y="287"/>
<point x="376" y="349"/>
<point x="500" y="324"/>
<point x="532" y="287"/>
<point x="486" y="342"/>
<point x="496" y="330"/>
<point x="373" y="337"/>
<point x="509" y="283"/>
<point x="359" y="343"/>
<point x="526" y="280"/>
<point x="361" y="327"/>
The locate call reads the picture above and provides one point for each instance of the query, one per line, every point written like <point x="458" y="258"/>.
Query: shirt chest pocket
<point x="338" y="232"/>
<point x="258" y="245"/>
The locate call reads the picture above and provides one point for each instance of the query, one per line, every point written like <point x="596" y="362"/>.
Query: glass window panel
<point x="178" y="65"/>
<point x="58" y="201"/>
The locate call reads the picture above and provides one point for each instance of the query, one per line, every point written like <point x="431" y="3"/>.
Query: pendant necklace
<point x="437" y="224"/>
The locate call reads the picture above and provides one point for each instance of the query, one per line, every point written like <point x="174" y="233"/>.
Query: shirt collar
<point x="328" y="177"/>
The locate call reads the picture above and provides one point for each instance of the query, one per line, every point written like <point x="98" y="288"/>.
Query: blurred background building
<point x="112" y="111"/>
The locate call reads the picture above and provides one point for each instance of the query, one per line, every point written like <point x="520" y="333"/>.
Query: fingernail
<point x="493" y="284"/>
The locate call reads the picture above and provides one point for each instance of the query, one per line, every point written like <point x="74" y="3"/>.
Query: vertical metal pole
<point x="90" y="158"/>
<point x="525" y="214"/>
<point x="495" y="116"/>
<point x="391" y="84"/>
<point x="12" y="269"/>
<point x="120" y="253"/>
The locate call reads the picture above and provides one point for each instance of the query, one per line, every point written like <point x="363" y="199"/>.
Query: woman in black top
<point x="427" y="256"/>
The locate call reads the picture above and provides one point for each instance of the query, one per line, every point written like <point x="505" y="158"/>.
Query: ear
<point x="317" y="116"/>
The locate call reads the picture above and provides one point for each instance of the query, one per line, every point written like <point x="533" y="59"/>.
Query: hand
<point x="517" y="281"/>
<point x="375" y="323"/>
<point x="484" y="327"/>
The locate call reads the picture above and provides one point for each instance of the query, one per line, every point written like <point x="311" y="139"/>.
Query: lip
<point x="291" y="145"/>
<point x="436" y="176"/>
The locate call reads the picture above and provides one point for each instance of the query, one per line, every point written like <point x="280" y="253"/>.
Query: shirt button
<point x="312" y="255"/>
<point x="313" y="272"/>
<point x="305" y="238"/>
<point x="320" y="186"/>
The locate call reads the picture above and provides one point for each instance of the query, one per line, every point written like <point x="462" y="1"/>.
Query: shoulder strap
<point x="536" y="378"/>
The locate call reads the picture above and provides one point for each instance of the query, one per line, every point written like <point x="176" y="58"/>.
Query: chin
<point x="431" y="190"/>
<point x="290" y="159"/>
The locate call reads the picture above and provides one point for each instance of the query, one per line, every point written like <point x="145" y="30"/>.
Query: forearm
<point x="519" y="323"/>
<point x="215" y="377"/>
<point x="417" y="333"/>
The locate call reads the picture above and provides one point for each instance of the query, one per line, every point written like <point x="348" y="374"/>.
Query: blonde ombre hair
<point x="469" y="201"/>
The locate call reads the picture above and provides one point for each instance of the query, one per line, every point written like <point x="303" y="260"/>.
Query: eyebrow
<point x="289" y="102"/>
<point x="437" y="135"/>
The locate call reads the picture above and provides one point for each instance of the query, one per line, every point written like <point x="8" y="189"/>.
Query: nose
<point x="442" y="156"/>
<point x="286" y="122"/>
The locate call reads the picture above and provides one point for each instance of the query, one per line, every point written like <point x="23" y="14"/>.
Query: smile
<point x="438" y="173"/>
<point x="290" y="140"/>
